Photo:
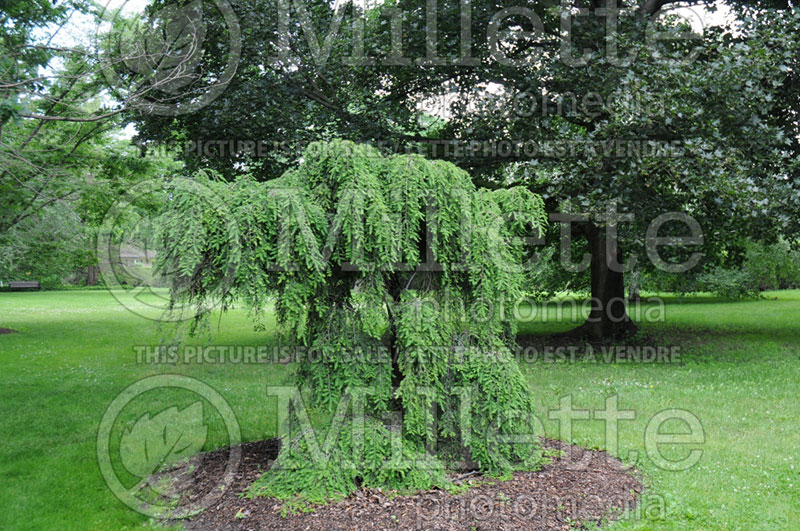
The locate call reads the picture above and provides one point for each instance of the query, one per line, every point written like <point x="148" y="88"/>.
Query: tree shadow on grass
<point x="665" y="345"/>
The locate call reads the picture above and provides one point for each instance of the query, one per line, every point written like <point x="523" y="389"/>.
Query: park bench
<point x="19" y="285"/>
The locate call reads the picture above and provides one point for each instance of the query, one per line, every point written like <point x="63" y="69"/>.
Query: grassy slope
<point x="739" y="374"/>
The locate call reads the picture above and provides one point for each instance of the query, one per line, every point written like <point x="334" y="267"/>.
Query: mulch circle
<point x="7" y="331"/>
<point x="577" y="487"/>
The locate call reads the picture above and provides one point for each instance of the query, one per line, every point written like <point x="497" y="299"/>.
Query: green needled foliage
<point x="401" y="276"/>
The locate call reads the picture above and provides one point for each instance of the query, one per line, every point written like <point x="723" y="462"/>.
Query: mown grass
<point x="738" y="372"/>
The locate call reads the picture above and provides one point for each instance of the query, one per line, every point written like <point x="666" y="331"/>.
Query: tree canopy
<point x="608" y="117"/>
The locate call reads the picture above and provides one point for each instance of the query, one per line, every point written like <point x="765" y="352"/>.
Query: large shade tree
<point x="402" y="276"/>
<point x="625" y="127"/>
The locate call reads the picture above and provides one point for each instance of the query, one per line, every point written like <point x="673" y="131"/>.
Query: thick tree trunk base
<point x="608" y="318"/>
<point x="597" y="330"/>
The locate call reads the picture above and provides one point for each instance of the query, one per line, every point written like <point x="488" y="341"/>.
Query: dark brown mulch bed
<point x="7" y="331"/>
<point x="578" y="487"/>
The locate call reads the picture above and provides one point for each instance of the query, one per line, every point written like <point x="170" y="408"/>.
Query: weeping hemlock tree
<point x="403" y="276"/>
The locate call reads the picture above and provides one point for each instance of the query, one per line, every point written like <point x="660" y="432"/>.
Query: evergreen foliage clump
<point x="402" y="276"/>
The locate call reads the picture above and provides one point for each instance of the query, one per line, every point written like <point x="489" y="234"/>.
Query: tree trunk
<point x="91" y="275"/>
<point x="608" y="318"/>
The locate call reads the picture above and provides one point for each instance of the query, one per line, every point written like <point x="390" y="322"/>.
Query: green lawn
<point x="738" y="373"/>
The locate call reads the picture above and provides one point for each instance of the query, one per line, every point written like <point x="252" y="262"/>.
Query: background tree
<point x="695" y="119"/>
<point x="39" y="147"/>
<point x="55" y="241"/>
<point x="59" y="102"/>
<point x="63" y="160"/>
<point x="48" y="249"/>
<point x="402" y="276"/>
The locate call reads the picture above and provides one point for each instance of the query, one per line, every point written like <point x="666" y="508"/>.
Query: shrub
<point x="775" y="266"/>
<point x="729" y="283"/>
